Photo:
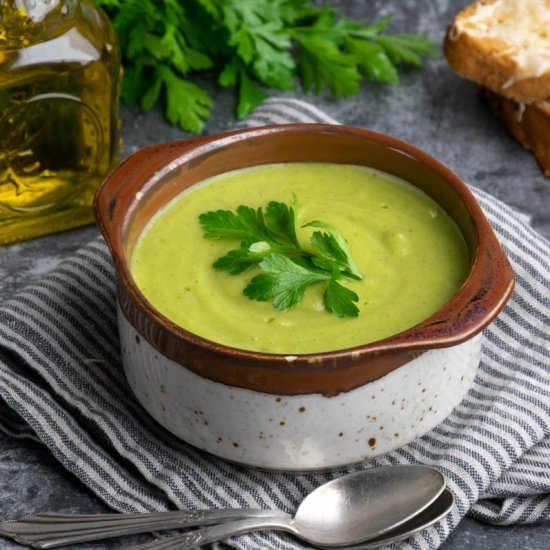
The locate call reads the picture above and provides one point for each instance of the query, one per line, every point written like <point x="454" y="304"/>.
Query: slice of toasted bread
<point x="529" y="124"/>
<point x="504" y="45"/>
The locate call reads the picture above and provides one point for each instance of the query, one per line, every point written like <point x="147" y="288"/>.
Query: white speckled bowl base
<point x="303" y="432"/>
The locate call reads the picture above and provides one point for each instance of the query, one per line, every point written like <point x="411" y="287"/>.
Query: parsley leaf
<point x="373" y="60"/>
<point x="261" y="234"/>
<point x="245" y="223"/>
<point x="322" y="61"/>
<point x="405" y="48"/>
<point x="250" y="94"/>
<point x="284" y="281"/>
<point x="186" y="104"/>
<point x="333" y="52"/>
<point x="281" y="220"/>
<point x="340" y="300"/>
<point x="332" y="250"/>
<point x="270" y="241"/>
<point x="239" y="260"/>
<point x="252" y="46"/>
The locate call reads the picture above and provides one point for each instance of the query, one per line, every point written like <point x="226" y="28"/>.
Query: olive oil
<point x="59" y="118"/>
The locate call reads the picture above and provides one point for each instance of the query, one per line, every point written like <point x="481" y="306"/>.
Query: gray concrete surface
<point x="432" y="108"/>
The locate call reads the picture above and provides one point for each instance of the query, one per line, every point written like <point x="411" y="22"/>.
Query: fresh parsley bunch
<point x="269" y="240"/>
<point x="252" y="45"/>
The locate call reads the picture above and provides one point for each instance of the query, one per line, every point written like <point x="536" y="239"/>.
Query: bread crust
<point x="483" y="60"/>
<point x="529" y="124"/>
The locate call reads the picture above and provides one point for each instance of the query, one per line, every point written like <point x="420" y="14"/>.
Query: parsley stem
<point x="328" y="31"/>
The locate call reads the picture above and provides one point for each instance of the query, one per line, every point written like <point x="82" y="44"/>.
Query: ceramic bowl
<point x="311" y="411"/>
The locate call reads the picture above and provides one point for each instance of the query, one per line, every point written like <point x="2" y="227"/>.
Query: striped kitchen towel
<point x="62" y="382"/>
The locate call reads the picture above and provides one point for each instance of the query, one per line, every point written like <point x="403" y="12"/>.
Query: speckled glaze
<point x="299" y="432"/>
<point x="307" y="411"/>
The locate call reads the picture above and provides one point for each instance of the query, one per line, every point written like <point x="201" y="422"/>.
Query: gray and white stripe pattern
<point x="61" y="382"/>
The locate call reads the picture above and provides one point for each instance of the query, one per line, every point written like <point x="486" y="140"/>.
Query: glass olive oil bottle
<point x="59" y="119"/>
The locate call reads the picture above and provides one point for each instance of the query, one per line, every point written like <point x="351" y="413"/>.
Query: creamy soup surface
<point x="411" y="254"/>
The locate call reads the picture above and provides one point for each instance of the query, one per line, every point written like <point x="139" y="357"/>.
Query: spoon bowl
<point x="365" y="504"/>
<point x="433" y="513"/>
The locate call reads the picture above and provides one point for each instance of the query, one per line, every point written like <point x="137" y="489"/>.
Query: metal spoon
<point x="375" y="506"/>
<point x="377" y="498"/>
<point x="432" y="514"/>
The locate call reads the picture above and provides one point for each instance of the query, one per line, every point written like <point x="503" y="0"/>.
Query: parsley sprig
<point x="250" y="45"/>
<point x="270" y="241"/>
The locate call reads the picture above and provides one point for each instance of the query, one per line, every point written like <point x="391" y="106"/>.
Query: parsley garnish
<point x="270" y="241"/>
<point x="251" y="45"/>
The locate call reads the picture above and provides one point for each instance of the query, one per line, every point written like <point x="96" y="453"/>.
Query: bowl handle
<point x="480" y="299"/>
<point x="121" y="187"/>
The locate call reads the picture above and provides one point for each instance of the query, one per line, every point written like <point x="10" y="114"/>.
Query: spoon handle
<point x="206" y="535"/>
<point x="48" y="530"/>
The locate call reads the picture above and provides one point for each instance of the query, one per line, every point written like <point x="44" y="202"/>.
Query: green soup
<point x="410" y="252"/>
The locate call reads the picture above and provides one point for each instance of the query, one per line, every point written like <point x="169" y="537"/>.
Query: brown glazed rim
<point x="147" y="175"/>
